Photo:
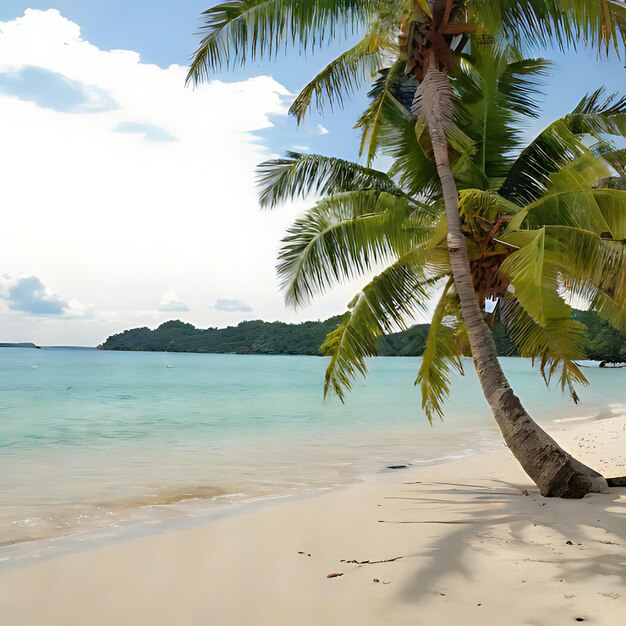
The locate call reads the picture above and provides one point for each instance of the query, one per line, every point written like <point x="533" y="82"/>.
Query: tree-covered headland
<point x="602" y="341"/>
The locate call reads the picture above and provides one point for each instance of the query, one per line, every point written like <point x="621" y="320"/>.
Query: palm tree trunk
<point x="553" y="470"/>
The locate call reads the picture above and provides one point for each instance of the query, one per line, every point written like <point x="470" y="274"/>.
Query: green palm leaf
<point x="557" y="344"/>
<point x="609" y="308"/>
<point x="386" y="303"/>
<point x="241" y="30"/>
<point x="598" y="114"/>
<point x="572" y="201"/>
<point x="486" y="205"/>
<point x="344" y="75"/>
<point x="384" y="104"/>
<point x="561" y="143"/>
<point x="533" y="276"/>
<point x="344" y="236"/>
<point x="442" y="354"/>
<point x="495" y="89"/>
<point x="410" y="167"/>
<point x="541" y="23"/>
<point x="299" y="175"/>
<point x="593" y="270"/>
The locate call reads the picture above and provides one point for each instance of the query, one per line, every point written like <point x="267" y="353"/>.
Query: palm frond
<point x="414" y="171"/>
<point x="383" y="103"/>
<point x="247" y="30"/>
<point x="442" y="355"/>
<point x="561" y="143"/>
<point x="615" y="158"/>
<point x="572" y="200"/>
<point x="608" y="308"/>
<point x="299" y="175"/>
<point x="487" y="205"/>
<point x="399" y="85"/>
<point x="599" y="114"/>
<point x="542" y="23"/>
<point x="557" y="344"/>
<point x="592" y="270"/>
<point x="344" y="236"/>
<point x="495" y="90"/>
<point x="385" y="304"/>
<point x="344" y="75"/>
<point x="533" y="277"/>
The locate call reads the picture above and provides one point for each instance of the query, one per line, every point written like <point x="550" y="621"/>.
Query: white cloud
<point x="28" y="295"/>
<point x="171" y="303"/>
<point x="149" y="132"/>
<point x="321" y="130"/>
<point x="232" y="306"/>
<point x="299" y="148"/>
<point x="110" y="217"/>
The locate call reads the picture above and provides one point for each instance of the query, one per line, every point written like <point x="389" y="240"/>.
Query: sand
<point x="466" y="542"/>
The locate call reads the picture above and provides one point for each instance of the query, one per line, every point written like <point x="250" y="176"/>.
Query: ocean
<point x="96" y="444"/>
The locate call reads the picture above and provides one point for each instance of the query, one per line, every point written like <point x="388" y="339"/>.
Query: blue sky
<point x="133" y="199"/>
<point x="163" y="32"/>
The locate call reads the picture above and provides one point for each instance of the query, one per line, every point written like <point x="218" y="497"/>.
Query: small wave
<point x="164" y="498"/>
<point x="445" y="459"/>
<point x="229" y="496"/>
<point x="582" y="418"/>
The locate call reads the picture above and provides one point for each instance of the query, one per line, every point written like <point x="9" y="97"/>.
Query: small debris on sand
<point x="334" y="574"/>
<point x="356" y="562"/>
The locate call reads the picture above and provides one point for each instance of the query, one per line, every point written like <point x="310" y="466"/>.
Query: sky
<point x="128" y="199"/>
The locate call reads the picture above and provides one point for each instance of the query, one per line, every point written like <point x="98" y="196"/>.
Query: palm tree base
<point x="575" y="480"/>
<point x="556" y="473"/>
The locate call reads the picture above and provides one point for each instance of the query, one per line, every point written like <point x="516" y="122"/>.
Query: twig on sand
<point x="395" y="558"/>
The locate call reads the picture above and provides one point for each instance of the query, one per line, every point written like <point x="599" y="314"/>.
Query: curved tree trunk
<point x="553" y="470"/>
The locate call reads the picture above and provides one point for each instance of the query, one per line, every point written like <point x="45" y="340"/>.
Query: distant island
<point x="603" y="342"/>
<point x="18" y="345"/>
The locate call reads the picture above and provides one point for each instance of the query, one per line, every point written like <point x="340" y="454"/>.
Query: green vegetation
<point x="464" y="202"/>
<point x="252" y="337"/>
<point x="603" y="343"/>
<point x="535" y="220"/>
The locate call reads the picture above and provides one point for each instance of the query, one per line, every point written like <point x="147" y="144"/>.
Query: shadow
<point x="501" y="515"/>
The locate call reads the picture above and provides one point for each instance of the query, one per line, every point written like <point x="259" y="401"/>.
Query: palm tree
<point x="431" y="32"/>
<point x="534" y="226"/>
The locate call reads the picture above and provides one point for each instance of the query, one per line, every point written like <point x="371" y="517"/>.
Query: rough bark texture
<point x="554" y="471"/>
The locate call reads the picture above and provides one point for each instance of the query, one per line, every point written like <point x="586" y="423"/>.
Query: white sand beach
<point x="465" y="542"/>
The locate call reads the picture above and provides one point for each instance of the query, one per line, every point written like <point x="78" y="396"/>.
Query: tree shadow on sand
<point x="500" y="515"/>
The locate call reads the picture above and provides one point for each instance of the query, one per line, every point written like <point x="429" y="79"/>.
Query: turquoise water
<point x="94" y="441"/>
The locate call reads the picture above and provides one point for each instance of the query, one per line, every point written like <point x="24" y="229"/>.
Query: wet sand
<point x="465" y="542"/>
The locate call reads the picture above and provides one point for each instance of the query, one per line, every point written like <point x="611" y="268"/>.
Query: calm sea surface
<point x="93" y="443"/>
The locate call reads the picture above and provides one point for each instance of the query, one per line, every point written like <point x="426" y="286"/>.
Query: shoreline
<point x="52" y="547"/>
<point x="15" y="555"/>
<point x="472" y="547"/>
